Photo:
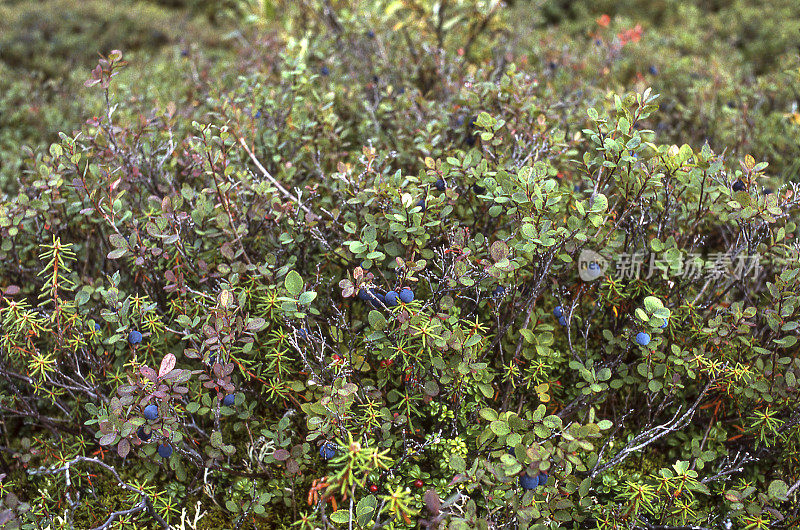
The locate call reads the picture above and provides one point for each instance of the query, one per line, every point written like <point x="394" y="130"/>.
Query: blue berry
<point x="324" y="70"/>
<point x="258" y="114"/>
<point x="738" y="185"/>
<point x="562" y="320"/>
<point x="229" y="400"/>
<point x="134" y="337"/>
<point x="97" y="327"/>
<point x="327" y="450"/>
<point x="528" y="482"/>
<point x="558" y="311"/>
<point x="406" y="295"/>
<point x="302" y="334"/>
<point x="499" y="291"/>
<point x="143" y="436"/>
<point x="376" y="298"/>
<point x="151" y="412"/>
<point x="164" y="450"/>
<point x="440" y="185"/>
<point x="664" y="325"/>
<point x="543" y="478"/>
<point x="479" y="190"/>
<point x="653" y="70"/>
<point x="421" y="204"/>
<point x="373" y="296"/>
<point x="642" y="338"/>
<point x="371" y="34"/>
<point x="390" y="299"/>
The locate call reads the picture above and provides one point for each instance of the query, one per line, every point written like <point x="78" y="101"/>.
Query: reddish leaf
<point x="167" y="364"/>
<point x="149" y="373"/>
<point x="123" y="448"/>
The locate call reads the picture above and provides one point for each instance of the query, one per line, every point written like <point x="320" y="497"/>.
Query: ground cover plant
<point x="411" y="264"/>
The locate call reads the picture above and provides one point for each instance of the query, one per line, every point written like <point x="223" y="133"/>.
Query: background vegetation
<point x="200" y="210"/>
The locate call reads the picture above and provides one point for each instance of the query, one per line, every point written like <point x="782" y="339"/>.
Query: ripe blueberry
<point x="327" y="450"/>
<point x="143" y="436"/>
<point x="164" y="450"/>
<point x="738" y="185"/>
<point x="558" y="312"/>
<point x="324" y="70"/>
<point x="302" y="334"/>
<point x="421" y="204"/>
<point x="97" y="327"/>
<point x="376" y="298"/>
<point x="406" y="295"/>
<point x="151" y="412"/>
<point x="229" y="400"/>
<point x="134" y="337"/>
<point x="664" y="325"/>
<point x="390" y="299"/>
<point x="371" y="34"/>
<point x="478" y="189"/>
<point x="653" y="70"/>
<point x="440" y="185"/>
<point x="562" y="320"/>
<point x="528" y="482"/>
<point x="543" y="478"/>
<point x="642" y="338"/>
<point x="499" y="291"/>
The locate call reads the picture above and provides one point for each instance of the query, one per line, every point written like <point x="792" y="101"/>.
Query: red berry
<point x="418" y="483"/>
<point x="373" y="488"/>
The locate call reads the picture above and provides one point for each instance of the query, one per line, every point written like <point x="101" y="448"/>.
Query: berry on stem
<point x="229" y="400"/>
<point x="164" y="450"/>
<point x="406" y="295"/>
<point x="143" y="436"/>
<point x="151" y="412"/>
<point x="327" y="450"/>
<point x="642" y="338"/>
<point x="528" y="482"/>
<point x="390" y="299"/>
<point x="134" y="337"/>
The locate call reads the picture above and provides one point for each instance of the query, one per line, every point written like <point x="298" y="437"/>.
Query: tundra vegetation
<point x="315" y="264"/>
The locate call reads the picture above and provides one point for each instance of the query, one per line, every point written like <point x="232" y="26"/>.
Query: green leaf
<point x="340" y="516"/>
<point x="376" y="320"/>
<point x="457" y="463"/>
<point x="488" y="414"/>
<point x="293" y="283"/>
<point x="500" y="428"/>
<point x="117" y="253"/>
<point x="777" y="490"/>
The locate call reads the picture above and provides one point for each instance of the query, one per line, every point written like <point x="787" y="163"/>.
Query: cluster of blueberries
<point x="532" y="482"/>
<point x="150" y="413"/>
<point x="377" y="299"/>
<point x="643" y="339"/>
<point x="558" y="312"/>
